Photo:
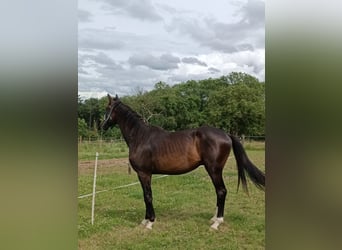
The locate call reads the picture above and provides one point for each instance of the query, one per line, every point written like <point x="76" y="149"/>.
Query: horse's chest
<point x="140" y="158"/>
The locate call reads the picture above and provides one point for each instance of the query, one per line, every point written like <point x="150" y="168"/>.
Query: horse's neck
<point x="130" y="129"/>
<point x="125" y="134"/>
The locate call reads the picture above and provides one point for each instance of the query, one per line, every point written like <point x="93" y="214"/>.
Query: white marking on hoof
<point x="213" y="219"/>
<point x="144" y="222"/>
<point x="149" y="225"/>
<point x="217" y="222"/>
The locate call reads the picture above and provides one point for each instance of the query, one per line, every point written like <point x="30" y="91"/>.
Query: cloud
<point x="124" y="44"/>
<point x="113" y="40"/>
<point x="98" y="39"/>
<point x="251" y="59"/>
<point x="84" y="16"/>
<point x="121" y="80"/>
<point x="139" y="9"/>
<point x="96" y="66"/>
<point x="82" y="71"/>
<point x="177" y="78"/>
<point x="193" y="60"/>
<point x="253" y="13"/>
<point x="247" y="33"/>
<point x="213" y="70"/>
<point x="250" y="62"/>
<point x="103" y="59"/>
<point x="100" y="71"/>
<point x="164" y="62"/>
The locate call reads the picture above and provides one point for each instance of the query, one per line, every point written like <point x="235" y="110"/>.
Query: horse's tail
<point x="245" y="165"/>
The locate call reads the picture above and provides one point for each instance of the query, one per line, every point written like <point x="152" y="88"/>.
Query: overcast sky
<point x="125" y="45"/>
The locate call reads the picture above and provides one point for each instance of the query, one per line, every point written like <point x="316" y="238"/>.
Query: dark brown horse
<point x="153" y="150"/>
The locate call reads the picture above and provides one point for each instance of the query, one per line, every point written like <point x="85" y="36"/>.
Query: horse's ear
<point x="116" y="96"/>
<point x="109" y="98"/>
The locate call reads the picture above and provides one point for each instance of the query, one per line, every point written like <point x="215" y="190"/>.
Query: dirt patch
<point x="103" y="166"/>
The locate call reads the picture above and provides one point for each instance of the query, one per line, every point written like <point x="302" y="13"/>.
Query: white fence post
<point x="94" y="189"/>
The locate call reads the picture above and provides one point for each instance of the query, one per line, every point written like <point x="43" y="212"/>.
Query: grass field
<point x="183" y="204"/>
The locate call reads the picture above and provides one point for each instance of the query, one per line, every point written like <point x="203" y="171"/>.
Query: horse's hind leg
<point x="145" y="181"/>
<point x="221" y="192"/>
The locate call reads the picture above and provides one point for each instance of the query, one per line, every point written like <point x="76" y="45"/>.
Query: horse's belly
<point x="176" y="164"/>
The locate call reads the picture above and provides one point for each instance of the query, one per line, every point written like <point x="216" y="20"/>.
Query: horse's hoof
<point x="213" y="219"/>
<point x="149" y="225"/>
<point x="144" y="222"/>
<point x="216" y="224"/>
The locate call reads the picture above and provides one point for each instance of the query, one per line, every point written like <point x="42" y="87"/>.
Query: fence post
<point x="94" y="188"/>
<point x="129" y="168"/>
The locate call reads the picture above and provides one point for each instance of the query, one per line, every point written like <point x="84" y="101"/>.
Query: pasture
<point x="183" y="204"/>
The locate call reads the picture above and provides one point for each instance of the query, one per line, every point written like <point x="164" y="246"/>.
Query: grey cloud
<point x="103" y="59"/>
<point x="213" y="70"/>
<point x="251" y="60"/>
<point x="84" y="16"/>
<point x="82" y="71"/>
<point x="117" y="60"/>
<point x="167" y="8"/>
<point x="245" y="34"/>
<point x="258" y="68"/>
<point x="192" y="27"/>
<point x="119" y="80"/>
<point x="164" y="62"/>
<point x="183" y="78"/>
<point x="98" y="39"/>
<point x="140" y="9"/>
<point x="253" y="13"/>
<point x="112" y="39"/>
<point x="193" y="60"/>
<point x="100" y="63"/>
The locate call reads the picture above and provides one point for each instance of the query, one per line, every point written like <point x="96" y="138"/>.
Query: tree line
<point x="234" y="103"/>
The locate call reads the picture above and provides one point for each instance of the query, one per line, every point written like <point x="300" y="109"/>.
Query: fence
<point x="245" y="138"/>
<point x="93" y="139"/>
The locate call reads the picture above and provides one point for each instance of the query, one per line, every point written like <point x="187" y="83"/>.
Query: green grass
<point x="254" y="145"/>
<point x="183" y="204"/>
<point x="107" y="150"/>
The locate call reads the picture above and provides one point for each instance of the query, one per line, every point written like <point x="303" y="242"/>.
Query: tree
<point x="239" y="77"/>
<point x="239" y="109"/>
<point x="234" y="103"/>
<point x="161" y="85"/>
<point x="82" y="128"/>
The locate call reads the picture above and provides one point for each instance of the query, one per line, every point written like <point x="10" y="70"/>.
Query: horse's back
<point x="213" y="134"/>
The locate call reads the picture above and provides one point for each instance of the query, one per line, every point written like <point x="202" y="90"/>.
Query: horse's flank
<point x="170" y="152"/>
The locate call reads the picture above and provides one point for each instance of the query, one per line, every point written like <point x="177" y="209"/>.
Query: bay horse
<point x="153" y="150"/>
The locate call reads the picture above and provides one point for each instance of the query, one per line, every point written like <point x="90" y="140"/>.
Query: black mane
<point x="130" y="115"/>
<point x="134" y="124"/>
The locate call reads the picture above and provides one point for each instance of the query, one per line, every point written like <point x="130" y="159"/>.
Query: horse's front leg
<point x="145" y="181"/>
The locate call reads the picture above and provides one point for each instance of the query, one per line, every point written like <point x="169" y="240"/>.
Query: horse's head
<point x="110" y="117"/>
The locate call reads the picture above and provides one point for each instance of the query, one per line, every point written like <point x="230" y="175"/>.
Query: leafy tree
<point x="239" y="109"/>
<point x="161" y="85"/>
<point x="82" y="128"/>
<point x="235" y="103"/>
<point x="239" y="77"/>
